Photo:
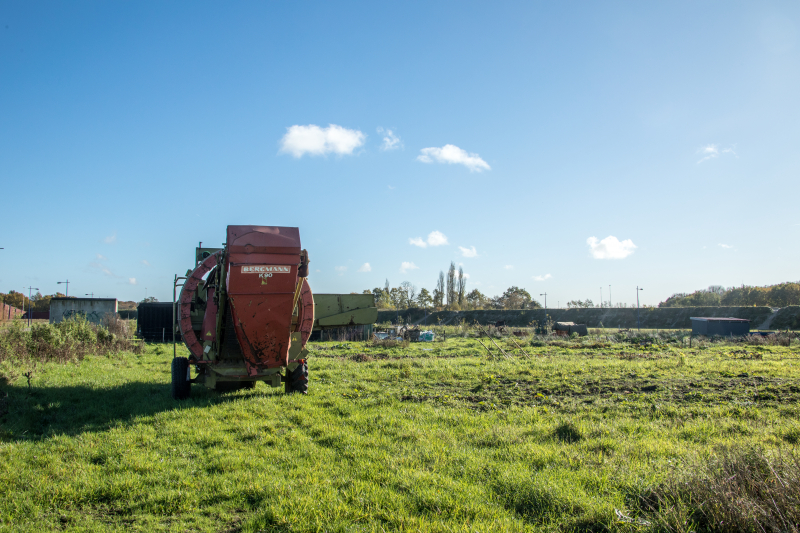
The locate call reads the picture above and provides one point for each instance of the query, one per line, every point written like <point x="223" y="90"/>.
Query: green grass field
<point x="426" y="437"/>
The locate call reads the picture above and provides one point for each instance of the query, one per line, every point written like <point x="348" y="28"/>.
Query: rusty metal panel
<point x="209" y="331"/>
<point x="263" y="239"/>
<point x="267" y="304"/>
<point x="185" y="304"/>
<point x="261" y="283"/>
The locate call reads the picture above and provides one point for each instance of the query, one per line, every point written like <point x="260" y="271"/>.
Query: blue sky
<point x="665" y="134"/>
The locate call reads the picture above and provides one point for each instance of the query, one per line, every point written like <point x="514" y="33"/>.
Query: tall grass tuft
<point x="739" y="490"/>
<point x="387" y="343"/>
<point x="568" y="432"/>
<point x="773" y="339"/>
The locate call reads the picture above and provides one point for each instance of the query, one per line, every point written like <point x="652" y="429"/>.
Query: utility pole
<point x="90" y="294"/>
<point x="545" y="311"/>
<point x="30" y="304"/>
<point x="67" y="282"/>
<point x="638" y="324"/>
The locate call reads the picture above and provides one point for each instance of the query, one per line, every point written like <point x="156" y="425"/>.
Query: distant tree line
<point x="450" y="293"/>
<point x="779" y="295"/>
<point x="18" y="300"/>
<point x="41" y="303"/>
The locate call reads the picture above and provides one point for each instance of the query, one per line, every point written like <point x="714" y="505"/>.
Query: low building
<point x="568" y="328"/>
<point x="722" y="326"/>
<point x="92" y="309"/>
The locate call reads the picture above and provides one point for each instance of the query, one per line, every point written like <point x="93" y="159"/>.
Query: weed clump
<point x="773" y="339"/>
<point x="388" y="343"/>
<point x="568" y="432"/>
<point x="792" y="435"/>
<point x="738" y="490"/>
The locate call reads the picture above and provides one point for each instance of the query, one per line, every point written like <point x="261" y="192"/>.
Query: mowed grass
<point x="426" y="437"/>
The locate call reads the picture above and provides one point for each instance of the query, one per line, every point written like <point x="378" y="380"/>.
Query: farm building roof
<point x="718" y="319"/>
<point x="71" y="299"/>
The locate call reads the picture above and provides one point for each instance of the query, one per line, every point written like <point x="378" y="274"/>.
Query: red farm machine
<point x="245" y="313"/>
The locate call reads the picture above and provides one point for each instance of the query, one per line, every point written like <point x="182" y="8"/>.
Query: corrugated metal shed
<point x="724" y="326"/>
<point x="154" y="322"/>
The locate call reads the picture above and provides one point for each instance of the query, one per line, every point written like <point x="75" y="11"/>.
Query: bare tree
<point x="451" y="285"/>
<point x="462" y="286"/>
<point x="409" y="293"/>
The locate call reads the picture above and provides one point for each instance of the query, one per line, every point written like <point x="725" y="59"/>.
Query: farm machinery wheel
<point x="297" y="379"/>
<point x="181" y="386"/>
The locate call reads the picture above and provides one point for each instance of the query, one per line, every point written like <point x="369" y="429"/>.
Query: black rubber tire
<point x="297" y="379"/>
<point x="181" y="387"/>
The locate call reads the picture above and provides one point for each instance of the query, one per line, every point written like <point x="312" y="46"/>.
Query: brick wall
<point x="9" y="313"/>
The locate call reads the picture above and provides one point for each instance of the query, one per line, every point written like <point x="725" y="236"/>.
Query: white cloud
<point x="102" y="268"/>
<point x="542" y="278"/>
<point x="341" y="269"/>
<point x="727" y="246"/>
<point x="131" y="281"/>
<point x="406" y="266"/>
<point x="390" y="140"/>
<point x="610" y="247"/>
<point x="466" y="276"/>
<point x="313" y="140"/>
<point x="111" y="239"/>
<point x="145" y="262"/>
<point x="435" y="238"/>
<point x="468" y="252"/>
<point x="712" y="151"/>
<point x="509" y="267"/>
<point x="101" y="257"/>
<point x="453" y="155"/>
<point x="365" y="268"/>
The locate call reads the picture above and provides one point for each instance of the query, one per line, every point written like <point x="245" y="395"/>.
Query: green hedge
<point x="788" y="318"/>
<point x="651" y="318"/>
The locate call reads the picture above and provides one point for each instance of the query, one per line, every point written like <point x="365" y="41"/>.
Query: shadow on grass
<point x="49" y="411"/>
